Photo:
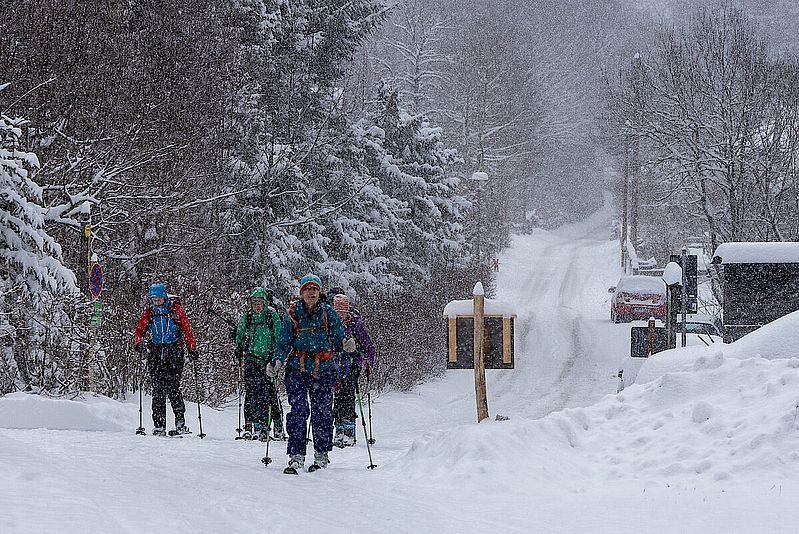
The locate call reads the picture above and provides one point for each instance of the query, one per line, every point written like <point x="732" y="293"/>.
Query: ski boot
<point x="279" y="435"/>
<point x="258" y="433"/>
<point x="180" y="428"/>
<point x="338" y="439"/>
<point x="296" y="462"/>
<point x="348" y="434"/>
<point x="159" y="431"/>
<point x="247" y="431"/>
<point x="320" y="461"/>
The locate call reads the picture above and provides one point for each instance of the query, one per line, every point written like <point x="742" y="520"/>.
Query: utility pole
<point x="636" y="157"/>
<point x="624" y="195"/>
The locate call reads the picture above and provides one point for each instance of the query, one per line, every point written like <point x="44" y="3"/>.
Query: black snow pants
<point x="166" y="367"/>
<point x="260" y="394"/>
<point x="344" y="399"/>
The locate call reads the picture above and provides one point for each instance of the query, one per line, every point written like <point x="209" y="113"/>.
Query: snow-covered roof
<point x="727" y="253"/>
<point x="463" y="308"/>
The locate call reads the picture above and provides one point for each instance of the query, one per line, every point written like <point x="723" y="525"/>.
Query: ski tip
<point x="289" y="471"/>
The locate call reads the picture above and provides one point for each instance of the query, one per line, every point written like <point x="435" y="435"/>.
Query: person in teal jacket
<point x="256" y="335"/>
<point x="311" y="332"/>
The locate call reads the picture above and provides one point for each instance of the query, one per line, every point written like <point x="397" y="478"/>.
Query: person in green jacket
<point x="255" y="344"/>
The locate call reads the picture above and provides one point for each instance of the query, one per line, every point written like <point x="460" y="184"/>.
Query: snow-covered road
<point x="568" y="353"/>
<point x="710" y="450"/>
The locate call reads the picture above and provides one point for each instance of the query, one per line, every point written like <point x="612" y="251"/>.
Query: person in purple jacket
<point x="358" y="353"/>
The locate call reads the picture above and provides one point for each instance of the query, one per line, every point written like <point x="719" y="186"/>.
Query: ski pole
<point x="371" y="439"/>
<point x="140" y="431"/>
<point x="363" y="422"/>
<point x="197" y="389"/>
<point x="266" y="460"/>
<point x="238" y="386"/>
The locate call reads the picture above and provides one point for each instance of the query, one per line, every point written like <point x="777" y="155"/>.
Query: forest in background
<point x="215" y="146"/>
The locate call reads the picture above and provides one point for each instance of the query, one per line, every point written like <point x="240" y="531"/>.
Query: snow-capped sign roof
<point x="752" y="252"/>
<point x="672" y="273"/>
<point x="465" y="308"/>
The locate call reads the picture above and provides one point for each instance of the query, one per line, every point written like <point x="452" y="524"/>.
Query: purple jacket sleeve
<point x="367" y="352"/>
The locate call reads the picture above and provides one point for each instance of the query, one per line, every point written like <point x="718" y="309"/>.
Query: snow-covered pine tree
<point x="286" y="181"/>
<point x="419" y="172"/>
<point x="31" y="271"/>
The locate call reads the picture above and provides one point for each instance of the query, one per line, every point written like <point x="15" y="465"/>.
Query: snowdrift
<point x="714" y="413"/>
<point x="25" y="410"/>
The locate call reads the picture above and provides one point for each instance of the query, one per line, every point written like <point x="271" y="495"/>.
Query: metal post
<point x="684" y="299"/>
<point x="479" y="361"/>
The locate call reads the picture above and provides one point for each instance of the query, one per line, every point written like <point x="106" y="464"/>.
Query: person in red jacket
<point x="169" y="328"/>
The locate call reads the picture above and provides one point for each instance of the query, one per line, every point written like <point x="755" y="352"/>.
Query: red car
<point x="638" y="297"/>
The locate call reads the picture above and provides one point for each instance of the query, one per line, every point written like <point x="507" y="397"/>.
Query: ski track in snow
<point x="570" y="357"/>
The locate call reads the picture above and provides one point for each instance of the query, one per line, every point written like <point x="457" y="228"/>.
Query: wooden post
<point x="452" y="334"/>
<point x="624" y="198"/>
<point x="479" y="360"/>
<point x="87" y="231"/>
<point x="506" y="341"/>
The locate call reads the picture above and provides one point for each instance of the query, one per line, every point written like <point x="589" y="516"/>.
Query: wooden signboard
<point x="497" y="342"/>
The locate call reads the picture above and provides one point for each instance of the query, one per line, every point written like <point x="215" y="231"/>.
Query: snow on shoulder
<point x="726" y="413"/>
<point x="763" y="252"/>
<point x="28" y="410"/>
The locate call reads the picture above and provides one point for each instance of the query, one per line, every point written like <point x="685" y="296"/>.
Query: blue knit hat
<point x="158" y="290"/>
<point x="310" y="280"/>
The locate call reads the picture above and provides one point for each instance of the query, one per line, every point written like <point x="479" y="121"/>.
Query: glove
<point x="349" y="344"/>
<point x="272" y="369"/>
<point x="142" y="349"/>
<point x="193" y="354"/>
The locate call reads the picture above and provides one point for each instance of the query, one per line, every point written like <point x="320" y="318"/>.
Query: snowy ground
<point x="712" y="448"/>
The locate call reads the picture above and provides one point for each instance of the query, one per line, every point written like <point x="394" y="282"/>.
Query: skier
<point x="256" y="333"/>
<point x="169" y="328"/>
<point x="358" y="353"/>
<point x="311" y="332"/>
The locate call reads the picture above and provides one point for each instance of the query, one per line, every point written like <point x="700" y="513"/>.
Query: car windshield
<point x="642" y="285"/>
<point x="699" y="328"/>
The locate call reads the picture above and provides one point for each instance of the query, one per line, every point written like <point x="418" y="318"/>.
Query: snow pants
<point x="344" y="398"/>
<point x="300" y="387"/>
<point x="166" y="368"/>
<point x="260" y="393"/>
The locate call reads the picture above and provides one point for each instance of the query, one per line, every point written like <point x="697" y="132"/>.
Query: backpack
<point x="174" y="300"/>
<point x="293" y="316"/>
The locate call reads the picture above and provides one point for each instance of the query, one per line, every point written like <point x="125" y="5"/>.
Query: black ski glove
<point x="193" y="354"/>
